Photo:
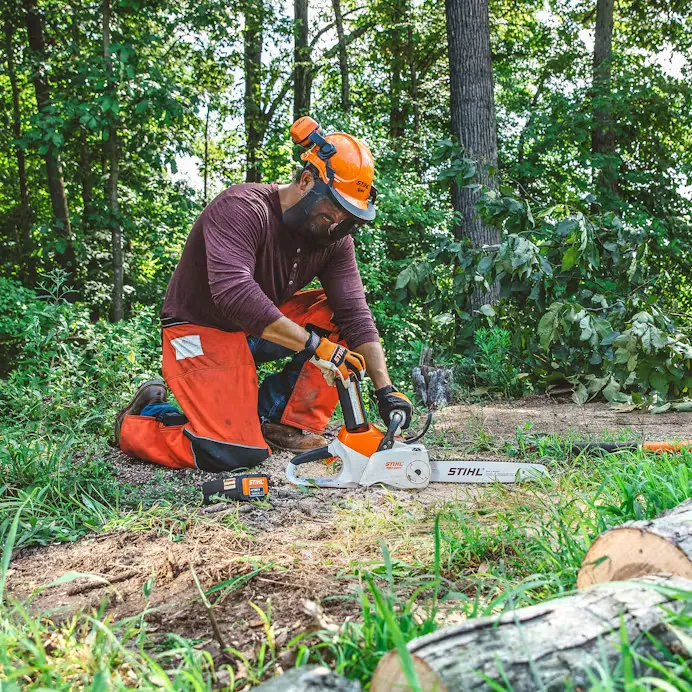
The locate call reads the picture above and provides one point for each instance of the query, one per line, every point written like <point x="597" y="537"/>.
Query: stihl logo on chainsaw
<point x="394" y="465"/>
<point x="465" y="472"/>
<point x="255" y="481"/>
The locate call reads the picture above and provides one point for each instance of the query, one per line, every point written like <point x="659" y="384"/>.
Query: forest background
<point x="565" y="125"/>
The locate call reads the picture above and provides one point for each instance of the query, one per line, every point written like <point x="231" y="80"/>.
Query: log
<point x="548" y="646"/>
<point x="309" y="679"/>
<point x="638" y="548"/>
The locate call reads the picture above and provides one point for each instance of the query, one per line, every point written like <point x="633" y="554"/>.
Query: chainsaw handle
<point x="396" y="420"/>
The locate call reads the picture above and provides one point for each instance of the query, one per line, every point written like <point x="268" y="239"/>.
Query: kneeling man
<point x="234" y="302"/>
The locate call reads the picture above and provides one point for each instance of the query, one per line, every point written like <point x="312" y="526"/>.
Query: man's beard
<point x="317" y="232"/>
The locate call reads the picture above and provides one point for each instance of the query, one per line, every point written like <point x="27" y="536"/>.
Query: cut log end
<point x="624" y="553"/>
<point x="639" y="548"/>
<point x="390" y="675"/>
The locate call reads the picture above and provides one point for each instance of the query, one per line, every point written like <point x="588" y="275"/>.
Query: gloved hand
<point x="389" y="400"/>
<point x="334" y="360"/>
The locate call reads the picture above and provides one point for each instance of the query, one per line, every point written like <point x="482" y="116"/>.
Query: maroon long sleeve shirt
<point x="240" y="262"/>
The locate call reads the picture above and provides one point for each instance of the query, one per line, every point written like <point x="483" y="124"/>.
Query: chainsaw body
<point x="369" y="455"/>
<point x="402" y="466"/>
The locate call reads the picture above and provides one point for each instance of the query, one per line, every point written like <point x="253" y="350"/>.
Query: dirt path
<point x="300" y="547"/>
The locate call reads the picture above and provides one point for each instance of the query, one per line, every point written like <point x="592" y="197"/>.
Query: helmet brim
<point x="352" y="206"/>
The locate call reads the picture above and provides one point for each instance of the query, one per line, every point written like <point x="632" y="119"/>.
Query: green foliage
<point x="578" y="294"/>
<point x="494" y="362"/>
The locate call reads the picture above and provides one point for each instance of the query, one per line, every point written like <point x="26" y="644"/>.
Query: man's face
<point x="323" y="219"/>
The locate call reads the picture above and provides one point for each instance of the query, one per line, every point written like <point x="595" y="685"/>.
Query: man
<point x="234" y="302"/>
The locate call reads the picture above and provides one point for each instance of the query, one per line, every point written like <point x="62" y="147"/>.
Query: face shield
<point x="311" y="217"/>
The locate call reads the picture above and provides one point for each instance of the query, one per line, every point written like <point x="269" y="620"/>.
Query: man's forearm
<point x="286" y="333"/>
<point x="375" y="362"/>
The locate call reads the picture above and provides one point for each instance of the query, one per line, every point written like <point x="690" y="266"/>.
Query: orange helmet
<point x="343" y="162"/>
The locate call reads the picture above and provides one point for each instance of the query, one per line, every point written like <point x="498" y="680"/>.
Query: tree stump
<point x="432" y="384"/>
<point x="548" y="646"/>
<point x="638" y="548"/>
<point x="309" y="679"/>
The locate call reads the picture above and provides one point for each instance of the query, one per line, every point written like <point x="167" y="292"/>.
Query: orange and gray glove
<point x="334" y="360"/>
<point x="389" y="400"/>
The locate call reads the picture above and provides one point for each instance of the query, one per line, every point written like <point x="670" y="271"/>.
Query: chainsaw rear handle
<point x="396" y="420"/>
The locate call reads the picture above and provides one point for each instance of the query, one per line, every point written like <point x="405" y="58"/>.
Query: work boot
<point x="149" y="392"/>
<point x="280" y="436"/>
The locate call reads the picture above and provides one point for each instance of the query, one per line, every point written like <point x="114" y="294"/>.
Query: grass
<point x="413" y="567"/>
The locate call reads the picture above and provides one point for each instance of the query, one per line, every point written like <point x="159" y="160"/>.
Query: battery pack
<point x="243" y="487"/>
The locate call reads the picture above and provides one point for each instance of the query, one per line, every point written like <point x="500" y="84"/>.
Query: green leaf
<point x="660" y="409"/>
<point x="683" y="406"/>
<point x="580" y="395"/>
<point x="570" y="258"/>
<point x="548" y="324"/>
<point x="658" y="381"/>
<point x="487" y="310"/>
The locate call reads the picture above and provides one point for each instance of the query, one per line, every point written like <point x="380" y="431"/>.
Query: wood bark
<point x="602" y="133"/>
<point x="472" y="106"/>
<point x="309" y="679"/>
<point x="550" y="646"/>
<point x="113" y="174"/>
<point x="24" y="216"/>
<point x="302" y="66"/>
<point x="398" y="47"/>
<point x="432" y="384"/>
<point x="638" y="548"/>
<point x="343" y="58"/>
<point x="86" y="179"/>
<point x="252" y="103"/>
<point x="56" y="187"/>
<point x="206" y="155"/>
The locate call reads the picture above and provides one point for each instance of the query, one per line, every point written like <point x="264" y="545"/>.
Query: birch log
<point x="309" y="679"/>
<point x="638" y="548"/>
<point x="548" y="647"/>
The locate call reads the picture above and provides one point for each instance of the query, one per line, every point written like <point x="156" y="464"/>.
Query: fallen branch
<point x="108" y="581"/>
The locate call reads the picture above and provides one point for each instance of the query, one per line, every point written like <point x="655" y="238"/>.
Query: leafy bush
<point x="494" y="361"/>
<point x="577" y="293"/>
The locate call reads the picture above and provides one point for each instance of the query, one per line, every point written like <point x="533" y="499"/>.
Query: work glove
<point x="334" y="360"/>
<point x="389" y="400"/>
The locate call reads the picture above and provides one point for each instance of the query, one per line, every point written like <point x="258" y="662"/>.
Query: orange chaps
<point x="212" y="375"/>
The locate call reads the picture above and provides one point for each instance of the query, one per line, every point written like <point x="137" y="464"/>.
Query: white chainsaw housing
<point x="403" y="466"/>
<point x="408" y="467"/>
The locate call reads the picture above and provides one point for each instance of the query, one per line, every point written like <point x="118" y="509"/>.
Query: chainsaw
<point x="368" y="455"/>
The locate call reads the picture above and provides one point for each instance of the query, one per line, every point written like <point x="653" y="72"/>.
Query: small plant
<point x="494" y="366"/>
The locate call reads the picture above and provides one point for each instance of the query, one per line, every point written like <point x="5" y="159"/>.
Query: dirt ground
<point x="306" y="542"/>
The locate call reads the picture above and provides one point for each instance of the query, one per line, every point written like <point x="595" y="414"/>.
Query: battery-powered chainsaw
<point x="368" y="455"/>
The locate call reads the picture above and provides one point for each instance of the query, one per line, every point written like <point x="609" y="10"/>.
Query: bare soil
<point x="307" y="541"/>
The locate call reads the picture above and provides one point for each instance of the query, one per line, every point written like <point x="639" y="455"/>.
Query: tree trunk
<point x="302" y="68"/>
<point x="548" y="646"/>
<point x="114" y="170"/>
<point x="252" y="53"/>
<point x="343" y="58"/>
<point x="413" y="80"/>
<point x="472" y="105"/>
<point x="27" y="260"/>
<point x="56" y="188"/>
<point x="86" y="178"/>
<point x="206" y="155"/>
<point x="397" y="116"/>
<point x="602" y="133"/>
<point x="309" y="679"/>
<point x="638" y="548"/>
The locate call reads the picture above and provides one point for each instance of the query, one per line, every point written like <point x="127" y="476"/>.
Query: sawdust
<point x="306" y="541"/>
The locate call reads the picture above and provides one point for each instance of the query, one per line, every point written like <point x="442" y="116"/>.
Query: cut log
<point x="638" y="548"/>
<point x="550" y="646"/>
<point x="309" y="679"/>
